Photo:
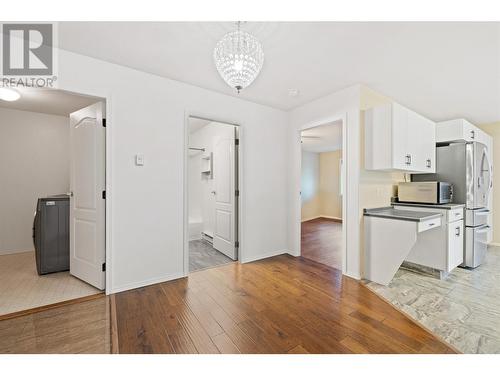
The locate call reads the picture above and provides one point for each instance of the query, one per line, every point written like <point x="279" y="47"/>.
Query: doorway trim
<point x="298" y="152"/>
<point x="185" y="185"/>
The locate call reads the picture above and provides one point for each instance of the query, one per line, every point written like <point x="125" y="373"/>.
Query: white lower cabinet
<point x="455" y="244"/>
<point x="441" y="249"/>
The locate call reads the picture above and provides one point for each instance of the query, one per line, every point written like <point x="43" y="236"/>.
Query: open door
<point x="87" y="204"/>
<point x="224" y="173"/>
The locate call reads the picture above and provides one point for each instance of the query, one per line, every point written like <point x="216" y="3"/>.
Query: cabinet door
<point x="429" y="145"/>
<point x="421" y="143"/>
<point x="400" y="152"/>
<point x="455" y="244"/>
<point x="470" y="132"/>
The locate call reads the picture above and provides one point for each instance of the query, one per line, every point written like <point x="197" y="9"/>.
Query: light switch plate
<point x="139" y="160"/>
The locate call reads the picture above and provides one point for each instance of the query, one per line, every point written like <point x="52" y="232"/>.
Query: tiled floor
<point x="21" y="288"/>
<point x="322" y="241"/>
<point x="202" y="255"/>
<point x="464" y="309"/>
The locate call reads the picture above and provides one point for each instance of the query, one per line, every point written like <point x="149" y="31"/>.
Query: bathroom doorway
<point x="212" y="193"/>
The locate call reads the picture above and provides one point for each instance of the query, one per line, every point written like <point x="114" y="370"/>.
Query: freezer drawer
<point x="476" y="218"/>
<point x="475" y="246"/>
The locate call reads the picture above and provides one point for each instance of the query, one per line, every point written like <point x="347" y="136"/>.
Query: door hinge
<point x="103" y="267"/>
<point x="103" y="122"/>
<point x="237" y="193"/>
<point x="237" y="244"/>
<point x="237" y="142"/>
<point x="104" y="194"/>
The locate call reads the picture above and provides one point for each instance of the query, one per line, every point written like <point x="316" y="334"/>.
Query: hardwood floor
<point x="76" y="328"/>
<point x="277" y="305"/>
<point x="321" y="241"/>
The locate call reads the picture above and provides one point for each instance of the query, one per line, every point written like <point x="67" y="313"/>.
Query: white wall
<point x="345" y="105"/>
<point x="310" y="178"/>
<point x="34" y="162"/>
<point x="146" y="114"/>
<point x="201" y="201"/>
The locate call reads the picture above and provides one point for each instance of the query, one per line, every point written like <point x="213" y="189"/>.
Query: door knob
<point x="213" y="192"/>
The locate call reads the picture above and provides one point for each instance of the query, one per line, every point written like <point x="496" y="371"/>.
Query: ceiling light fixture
<point x="238" y="57"/>
<point x="9" y="95"/>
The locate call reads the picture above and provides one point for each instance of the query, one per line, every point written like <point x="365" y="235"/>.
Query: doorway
<point x="212" y="193"/>
<point x="322" y="194"/>
<point x="53" y="163"/>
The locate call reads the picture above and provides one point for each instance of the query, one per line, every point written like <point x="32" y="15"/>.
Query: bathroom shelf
<point x="207" y="165"/>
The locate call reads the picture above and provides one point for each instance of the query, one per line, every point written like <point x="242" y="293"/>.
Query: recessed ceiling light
<point x="293" y="92"/>
<point x="9" y="95"/>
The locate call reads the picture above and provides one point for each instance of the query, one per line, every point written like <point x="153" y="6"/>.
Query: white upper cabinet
<point x="397" y="138"/>
<point x="460" y="130"/>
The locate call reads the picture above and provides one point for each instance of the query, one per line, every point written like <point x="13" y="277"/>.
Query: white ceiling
<point x="441" y="70"/>
<point x="53" y="102"/>
<point x="322" y="138"/>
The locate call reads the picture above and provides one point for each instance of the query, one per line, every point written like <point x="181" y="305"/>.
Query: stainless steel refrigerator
<point x="468" y="168"/>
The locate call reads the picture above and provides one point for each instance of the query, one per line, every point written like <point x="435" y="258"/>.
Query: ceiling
<point x="442" y="70"/>
<point x="322" y="138"/>
<point x="52" y="102"/>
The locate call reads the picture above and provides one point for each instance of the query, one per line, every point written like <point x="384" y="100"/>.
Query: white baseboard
<point x="264" y="256"/>
<point x="322" y="217"/>
<point x="332" y="217"/>
<point x="9" y="252"/>
<point x="140" y="284"/>
<point x="494" y="244"/>
<point x="310" y="218"/>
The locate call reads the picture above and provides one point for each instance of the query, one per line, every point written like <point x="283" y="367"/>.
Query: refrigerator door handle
<point x="485" y="229"/>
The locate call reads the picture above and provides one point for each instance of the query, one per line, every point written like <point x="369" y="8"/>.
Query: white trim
<point x="12" y="252"/>
<point x="342" y="116"/>
<point x="321" y="216"/>
<point x="310" y="218"/>
<point x="331" y="217"/>
<point x="494" y="244"/>
<point x="240" y="187"/>
<point x="264" y="256"/>
<point x="140" y="284"/>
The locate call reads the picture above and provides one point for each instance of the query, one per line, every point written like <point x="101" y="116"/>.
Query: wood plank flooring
<point x="321" y="241"/>
<point x="77" y="328"/>
<point x="277" y="305"/>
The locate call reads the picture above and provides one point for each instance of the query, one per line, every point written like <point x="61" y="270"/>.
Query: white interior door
<point x="87" y="208"/>
<point x="225" y="197"/>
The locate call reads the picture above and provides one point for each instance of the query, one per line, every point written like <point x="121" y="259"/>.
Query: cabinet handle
<point x="473" y="134"/>
<point x="429" y="163"/>
<point x="457" y="231"/>
<point x="408" y="159"/>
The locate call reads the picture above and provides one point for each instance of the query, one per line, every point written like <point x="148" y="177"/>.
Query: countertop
<point x="446" y="206"/>
<point x="407" y="215"/>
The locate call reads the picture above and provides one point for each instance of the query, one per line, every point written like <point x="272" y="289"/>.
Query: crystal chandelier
<point x="238" y="57"/>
